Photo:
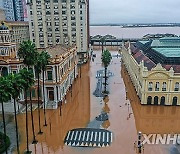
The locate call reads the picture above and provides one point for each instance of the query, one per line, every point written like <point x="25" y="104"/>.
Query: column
<point x="53" y="73"/>
<point x="55" y="98"/>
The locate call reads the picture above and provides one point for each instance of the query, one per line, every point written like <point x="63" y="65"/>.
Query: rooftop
<point x="166" y="42"/>
<point x="168" y="52"/>
<point x="56" y="50"/>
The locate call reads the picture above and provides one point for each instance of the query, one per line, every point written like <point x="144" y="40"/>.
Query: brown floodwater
<point x="126" y="116"/>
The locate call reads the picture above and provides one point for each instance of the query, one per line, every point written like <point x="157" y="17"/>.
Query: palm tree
<point x="28" y="52"/>
<point x="102" y="40"/>
<point x="106" y="59"/>
<point x="5" y="96"/>
<point x="44" y="62"/>
<point x="28" y="77"/>
<point x="38" y="71"/>
<point x="17" y="84"/>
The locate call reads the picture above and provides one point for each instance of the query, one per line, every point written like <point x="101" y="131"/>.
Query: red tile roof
<point x="175" y="67"/>
<point x="139" y="56"/>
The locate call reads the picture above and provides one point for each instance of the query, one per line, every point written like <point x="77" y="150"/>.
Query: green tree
<point x="45" y="57"/>
<point x="38" y="71"/>
<point x="106" y="59"/>
<point x="17" y="85"/>
<point x="5" y="96"/>
<point x="27" y="51"/>
<point x="28" y="77"/>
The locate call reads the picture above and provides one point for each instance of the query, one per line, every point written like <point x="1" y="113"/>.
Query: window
<point x="164" y="86"/>
<point x="150" y="86"/>
<point x="33" y="93"/>
<point x="49" y="75"/>
<point x="63" y="12"/>
<point x="176" y="88"/>
<point x="157" y="86"/>
<point x="149" y="100"/>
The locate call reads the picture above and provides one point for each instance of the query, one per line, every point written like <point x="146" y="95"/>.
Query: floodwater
<point x="120" y="32"/>
<point x="126" y="115"/>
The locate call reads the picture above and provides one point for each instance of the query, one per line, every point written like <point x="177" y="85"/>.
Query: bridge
<point x="109" y="40"/>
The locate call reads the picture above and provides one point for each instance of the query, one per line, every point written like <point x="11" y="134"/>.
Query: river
<point x="120" y="32"/>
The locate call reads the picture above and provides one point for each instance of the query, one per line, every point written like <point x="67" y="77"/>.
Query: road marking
<point x="76" y="136"/>
<point x="68" y="135"/>
<point x="87" y="136"/>
<point x="84" y="136"/>
<point x="111" y="137"/>
<point x="91" y="136"/>
<point x="108" y="137"/>
<point x="99" y="136"/>
<point x="80" y="135"/>
<point x="95" y="136"/>
<point x="103" y="136"/>
<point x="72" y="135"/>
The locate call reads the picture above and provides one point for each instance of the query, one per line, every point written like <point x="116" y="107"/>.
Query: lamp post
<point x="138" y="145"/>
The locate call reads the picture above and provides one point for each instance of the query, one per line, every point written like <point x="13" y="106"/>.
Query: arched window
<point x="150" y="86"/>
<point x="164" y="86"/>
<point x="176" y="88"/>
<point x="157" y="86"/>
<point x="174" y="103"/>
<point x="156" y="100"/>
<point x="162" y="100"/>
<point x="149" y="100"/>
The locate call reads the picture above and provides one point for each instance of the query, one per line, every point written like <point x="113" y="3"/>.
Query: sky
<point x="134" y="11"/>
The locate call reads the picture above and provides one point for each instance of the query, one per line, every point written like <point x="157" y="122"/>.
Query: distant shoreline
<point x="137" y="25"/>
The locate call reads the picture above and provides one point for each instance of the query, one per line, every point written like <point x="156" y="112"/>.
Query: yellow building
<point x="155" y="83"/>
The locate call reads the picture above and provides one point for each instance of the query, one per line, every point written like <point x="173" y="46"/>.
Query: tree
<point x="44" y="62"/>
<point x="102" y="39"/>
<point x="5" y="96"/>
<point x="38" y="71"/>
<point x="106" y="59"/>
<point x="17" y="85"/>
<point x="28" y="52"/>
<point x="28" y="77"/>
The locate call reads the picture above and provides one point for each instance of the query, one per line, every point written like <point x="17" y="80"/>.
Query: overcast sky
<point x="134" y="11"/>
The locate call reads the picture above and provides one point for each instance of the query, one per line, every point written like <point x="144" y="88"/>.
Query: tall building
<point x="9" y="10"/>
<point x="55" y="22"/>
<point x="18" y="10"/>
<point x="154" y="69"/>
<point x="15" y="10"/>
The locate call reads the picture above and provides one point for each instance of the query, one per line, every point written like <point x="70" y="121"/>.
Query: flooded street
<point x="126" y="116"/>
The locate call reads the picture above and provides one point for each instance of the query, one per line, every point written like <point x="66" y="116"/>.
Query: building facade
<point x="15" y="10"/>
<point x="53" y="22"/>
<point x="155" y="83"/>
<point x="19" y="31"/>
<point x="9" y="10"/>
<point x="18" y="10"/>
<point x="59" y="75"/>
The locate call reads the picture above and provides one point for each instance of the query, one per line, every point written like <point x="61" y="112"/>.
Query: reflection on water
<point x="151" y="119"/>
<point x="126" y="115"/>
<point x="75" y="114"/>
